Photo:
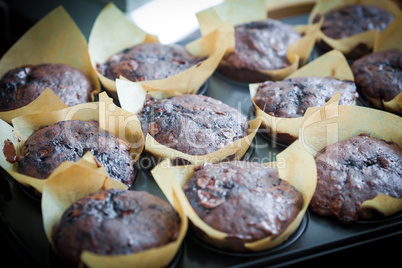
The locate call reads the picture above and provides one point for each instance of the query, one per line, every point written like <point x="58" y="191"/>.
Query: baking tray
<point x="21" y="220"/>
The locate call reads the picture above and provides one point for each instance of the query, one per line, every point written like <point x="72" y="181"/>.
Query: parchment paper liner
<point x="286" y="130"/>
<point x="334" y="123"/>
<point x="111" y="118"/>
<point x="242" y="11"/>
<point x="62" y="189"/>
<point x="54" y="39"/>
<point x="112" y="32"/>
<point x="294" y="165"/>
<point x="346" y="45"/>
<point x="132" y="98"/>
<point x="390" y="38"/>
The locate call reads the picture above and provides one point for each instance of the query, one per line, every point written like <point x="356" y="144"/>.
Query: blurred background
<point x="171" y="20"/>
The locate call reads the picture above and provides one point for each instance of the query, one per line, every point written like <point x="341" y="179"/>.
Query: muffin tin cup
<point x="293" y="238"/>
<point x="204" y="87"/>
<point x="77" y="181"/>
<point x="380" y="219"/>
<point x="333" y="123"/>
<point x="110" y="117"/>
<point x="286" y="130"/>
<point x="112" y="32"/>
<point x="355" y="43"/>
<point x="240" y="12"/>
<point x="265" y="133"/>
<point x="52" y="40"/>
<point x="30" y="192"/>
<point x="302" y="177"/>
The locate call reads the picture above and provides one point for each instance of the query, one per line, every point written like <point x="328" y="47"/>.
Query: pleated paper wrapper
<point x="76" y="181"/>
<point x="132" y="97"/>
<point x="334" y="123"/>
<point x="286" y="130"/>
<point x="346" y="45"/>
<point x="110" y="117"/>
<point x="112" y="32"/>
<point x="294" y="165"/>
<point x="238" y="12"/>
<point x="54" y="39"/>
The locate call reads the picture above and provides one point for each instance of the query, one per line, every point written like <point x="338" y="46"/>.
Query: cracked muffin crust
<point x="148" y="61"/>
<point x="244" y="199"/>
<point x="192" y="124"/>
<point x="259" y="45"/>
<point x="50" y="146"/>
<point x="379" y="75"/>
<point x="352" y="20"/>
<point x="114" y="222"/>
<point x="292" y="97"/>
<point x="22" y="85"/>
<point x="354" y="170"/>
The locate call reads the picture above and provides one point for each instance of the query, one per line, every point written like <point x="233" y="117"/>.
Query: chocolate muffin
<point x="352" y="171"/>
<point x="50" y="146"/>
<point x="148" y="61"/>
<point x="351" y="20"/>
<point x="114" y="222"/>
<point x="379" y="75"/>
<point x="192" y="124"/>
<point x="22" y="85"/>
<point x="247" y="200"/>
<point x="260" y="45"/>
<point x="292" y="97"/>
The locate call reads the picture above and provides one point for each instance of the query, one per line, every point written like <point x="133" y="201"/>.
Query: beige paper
<point x="294" y="165"/>
<point x="242" y="11"/>
<point x="286" y="130"/>
<point x="112" y="32"/>
<point x="347" y="44"/>
<point x="40" y="104"/>
<point x="335" y="123"/>
<point x="390" y="38"/>
<point x="63" y="188"/>
<point x="132" y="97"/>
<point x="54" y="39"/>
<point x="110" y="117"/>
<point x="236" y="11"/>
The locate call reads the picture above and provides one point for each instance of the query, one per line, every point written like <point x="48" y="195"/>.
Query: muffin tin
<point x="21" y="220"/>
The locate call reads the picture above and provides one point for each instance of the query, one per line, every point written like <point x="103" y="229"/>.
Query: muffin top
<point x="22" y="85"/>
<point x="262" y="45"/>
<point x="292" y="97"/>
<point x="114" y="222"/>
<point x="193" y="124"/>
<point x="50" y="146"/>
<point x="244" y="199"/>
<point x="354" y="170"/>
<point x="354" y="19"/>
<point x="148" y="61"/>
<point x="379" y="75"/>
